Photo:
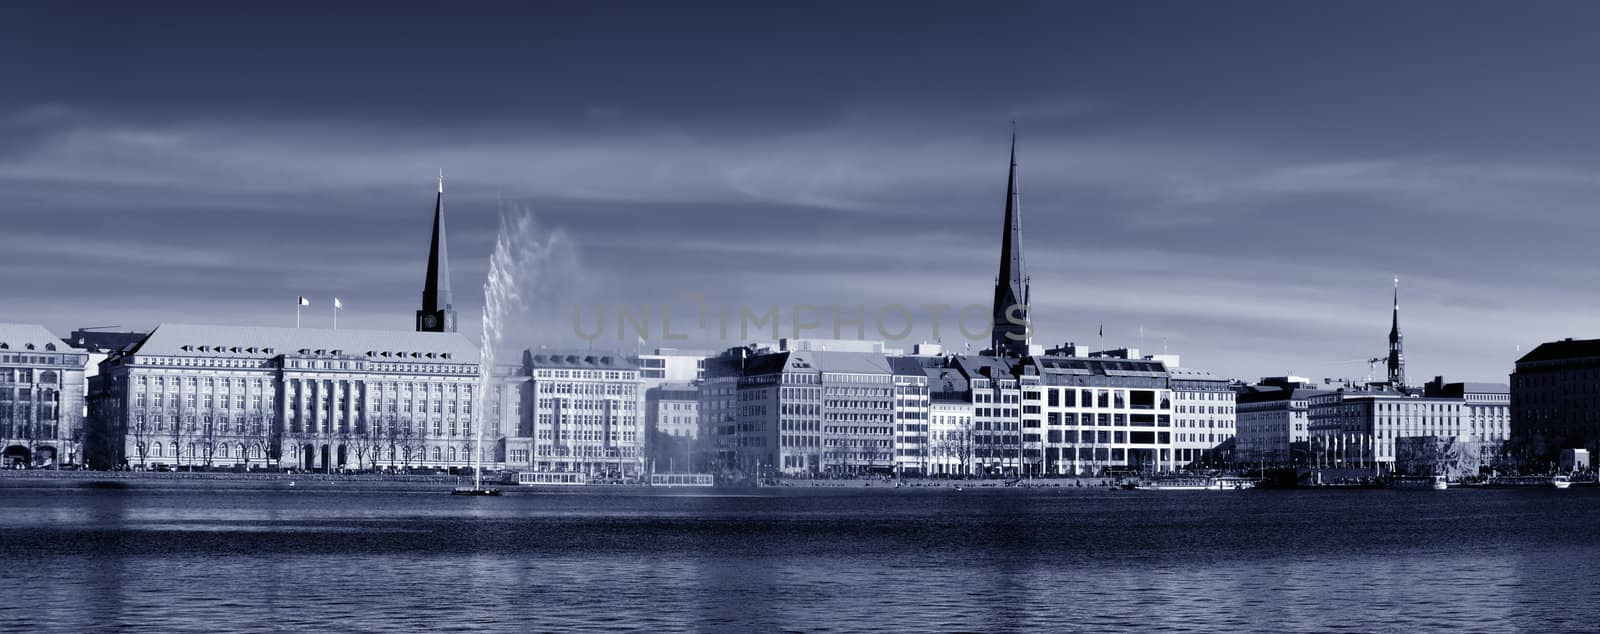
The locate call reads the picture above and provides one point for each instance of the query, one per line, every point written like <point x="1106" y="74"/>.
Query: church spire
<point x="437" y="313"/>
<point x="1012" y="330"/>
<point x="1397" y="357"/>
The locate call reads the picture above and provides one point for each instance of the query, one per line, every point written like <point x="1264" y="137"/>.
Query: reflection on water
<point x="270" y="559"/>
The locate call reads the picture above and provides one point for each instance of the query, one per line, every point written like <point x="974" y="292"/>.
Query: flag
<point x="304" y="301"/>
<point x="1102" y="330"/>
<point x="337" y="303"/>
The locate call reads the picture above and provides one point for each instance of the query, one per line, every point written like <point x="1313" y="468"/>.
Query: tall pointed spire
<point x="1397" y="357"/>
<point x="1011" y="333"/>
<point x="438" y="313"/>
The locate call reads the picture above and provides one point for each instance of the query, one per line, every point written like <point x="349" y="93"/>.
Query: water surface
<point x="173" y="556"/>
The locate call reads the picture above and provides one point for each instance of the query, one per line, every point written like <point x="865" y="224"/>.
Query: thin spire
<point x="1011" y="285"/>
<point x="436" y="298"/>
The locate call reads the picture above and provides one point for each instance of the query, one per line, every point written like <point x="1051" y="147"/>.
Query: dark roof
<point x="947" y="384"/>
<point x="1564" y="349"/>
<point x="906" y="366"/>
<point x="993" y="368"/>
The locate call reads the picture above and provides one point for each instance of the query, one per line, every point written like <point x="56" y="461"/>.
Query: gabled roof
<point x="847" y="362"/>
<point x="266" y="342"/>
<point x="993" y="368"/>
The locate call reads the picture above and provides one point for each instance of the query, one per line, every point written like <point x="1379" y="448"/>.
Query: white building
<point x="311" y="398"/>
<point x="41" y="397"/>
<point x="586" y="414"/>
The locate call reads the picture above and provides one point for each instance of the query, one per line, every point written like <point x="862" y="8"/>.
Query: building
<point x="802" y="413"/>
<point x="911" y="449"/>
<point x="1273" y="422"/>
<point x="950" y="424"/>
<point x="311" y="398"/>
<point x="996" y="399"/>
<point x="1366" y="429"/>
<point x="1555" y="401"/>
<point x="41" y="398"/>
<point x="1203" y="413"/>
<point x="673" y="425"/>
<point x="585" y="414"/>
<point x="718" y="396"/>
<point x="671" y="365"/>
<point x="1096" y="414"/>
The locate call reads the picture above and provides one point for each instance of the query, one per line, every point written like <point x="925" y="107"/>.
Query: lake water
<point x="168" y="557"/>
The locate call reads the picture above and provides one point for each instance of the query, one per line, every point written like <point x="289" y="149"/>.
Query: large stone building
<point x="1555" y="400"/>
<point x="912" y="453"/>
<point x="1204" y="413"/>
<point x="1365" y="429"/>
<point x="310" y="398"/>
<point x="800" y="412"/>
<point x="41" y="398"/>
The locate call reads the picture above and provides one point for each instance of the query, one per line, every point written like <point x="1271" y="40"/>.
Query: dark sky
<point x="1240" y="179"/>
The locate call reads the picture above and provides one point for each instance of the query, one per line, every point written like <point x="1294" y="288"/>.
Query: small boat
<point x="1419" y="483"/>
<point x="684" y="480"/>
<point x="474" y="491"/>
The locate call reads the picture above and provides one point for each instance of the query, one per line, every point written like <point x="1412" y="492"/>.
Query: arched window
<point x="155" y="450"/>
<point x="452" y="454"/>
<point x="436" y="453"/>
<point x="222" y="451"/>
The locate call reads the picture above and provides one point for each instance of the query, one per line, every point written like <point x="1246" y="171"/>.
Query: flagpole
<point x="297" y="314"/>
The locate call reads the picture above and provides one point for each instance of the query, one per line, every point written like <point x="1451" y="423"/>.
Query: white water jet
<point x="523" y="263"/>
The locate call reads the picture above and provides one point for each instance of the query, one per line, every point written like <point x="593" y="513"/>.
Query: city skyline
<point x="1228" y="222"/>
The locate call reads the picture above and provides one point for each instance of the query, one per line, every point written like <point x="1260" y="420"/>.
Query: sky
<point x="1240" y="182"/>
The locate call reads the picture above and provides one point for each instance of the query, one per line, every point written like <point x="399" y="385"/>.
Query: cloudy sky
<point x="1241" y="180"/>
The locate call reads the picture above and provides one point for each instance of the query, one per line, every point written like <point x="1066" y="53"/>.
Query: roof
<point x="1192" y="374"/>
<point x="1269" y="393"/>
<point x="833" y="361"/>
<point x="907" y="366"/>
<point x="1485" y="388"/>
<point x="1106" y="366"/>
<point x="580" y="360"/>
<point x="980" y="366"/>
<point x="14" y="337"/>
<point x="1564" y="349"/>
<point x="673" y="392"/>
<point x="947" y="384"/>
<point x="266" y="342"/>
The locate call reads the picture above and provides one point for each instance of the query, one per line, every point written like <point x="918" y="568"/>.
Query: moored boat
<point x="1419" y="483"/>
<point x="1529" y="482"/>
<point x="1194" y="483"/>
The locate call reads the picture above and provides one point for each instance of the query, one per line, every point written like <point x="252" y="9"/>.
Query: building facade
<point x="1555" y="400"/>
<point x="584" y="415"/>
<point x="1273" y="422"/>
<point x="314" y="399"/>
<point x="1365" y="429"/>
<point x="673" y="424"/>
<point x="41" y="398"/>
<point x="912" y="451"/>
<point x="1204" y="413"/>
<point x="1098" y="414"/>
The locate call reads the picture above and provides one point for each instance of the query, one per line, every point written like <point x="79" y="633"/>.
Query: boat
<point x="682" y="480"/>
<point x="552" y="478"/>
<point x="1194" y="483"/>
<point x="1523" y="482"/>
<point x="473" y="490"/>
<point x="1419" y="483"/>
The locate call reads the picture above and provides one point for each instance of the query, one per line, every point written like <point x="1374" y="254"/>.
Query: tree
<point x="360" y="443"/>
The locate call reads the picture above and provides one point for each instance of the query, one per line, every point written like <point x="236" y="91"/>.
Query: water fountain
<point x="527" y="261"/>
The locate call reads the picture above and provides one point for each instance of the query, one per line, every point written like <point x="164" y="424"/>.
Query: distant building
<point x="1272" y="420"/>
<point x="1555" y="400"/>
<point x="1097" y="414"/>
<point x="310" y="398"/>
<point x="671" y="365"/>
<point x="585" y="414"/>
<point x="1204" y="412"/>
<point x="1364" y="429"/>
<point x="911" y="449"/>
<point x="996" y="398"/>
<point x="41" y="398"/>
<point x="673" y="425"/>
<point x="437" y="313"/>
<point x="801" y="412"/>
<point x="950" y="427"/>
